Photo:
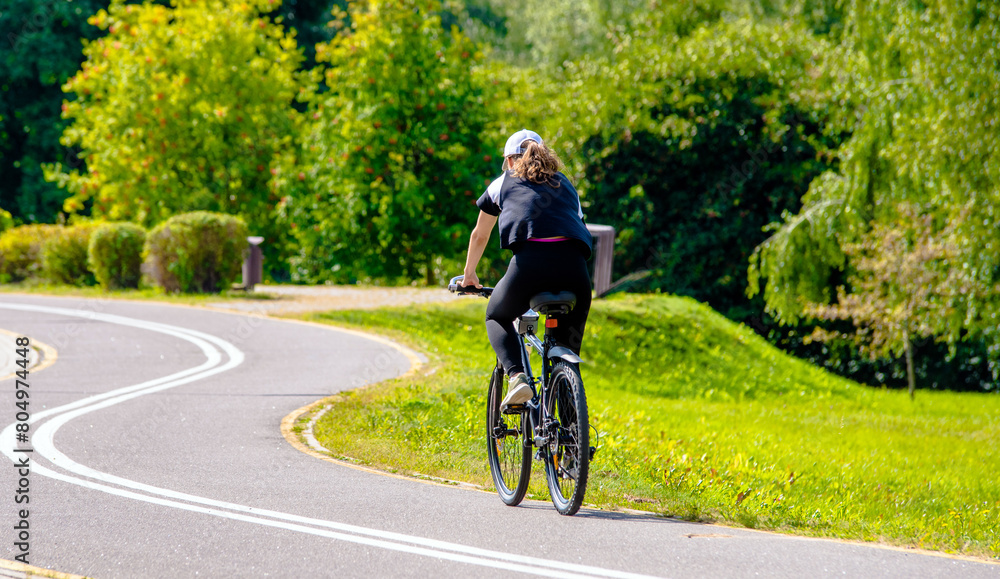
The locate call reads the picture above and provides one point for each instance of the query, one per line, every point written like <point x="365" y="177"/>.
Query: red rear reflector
<point x="551" y="323"/>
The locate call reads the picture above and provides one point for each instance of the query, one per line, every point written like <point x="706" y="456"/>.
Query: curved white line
<point x="197" y="338"/>
<point x="552" y="571"/>
<point x="44" y="445"/>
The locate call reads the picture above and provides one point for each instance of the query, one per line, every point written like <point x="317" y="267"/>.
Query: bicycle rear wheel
<point x="510" y="461"/>
<point x="567" y="456"/>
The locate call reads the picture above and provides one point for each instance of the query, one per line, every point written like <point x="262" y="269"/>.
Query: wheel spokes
<point x="565" y="457"/>
<point x="509" y="456"/>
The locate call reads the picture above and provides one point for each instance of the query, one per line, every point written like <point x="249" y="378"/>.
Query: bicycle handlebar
<point x="455" y="287"/>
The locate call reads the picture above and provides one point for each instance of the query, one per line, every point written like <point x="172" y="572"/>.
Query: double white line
<point x="220" y="357"/>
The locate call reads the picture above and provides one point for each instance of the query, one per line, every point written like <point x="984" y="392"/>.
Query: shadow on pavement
<point x="586" y="513"/>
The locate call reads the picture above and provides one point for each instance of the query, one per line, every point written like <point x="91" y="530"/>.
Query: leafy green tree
<point x="183" y="108"/>
<point x="394" y="159"/>
<point x="39" y="51"/>
<point x="901" y="287"/>
<point x="927" y="77"/>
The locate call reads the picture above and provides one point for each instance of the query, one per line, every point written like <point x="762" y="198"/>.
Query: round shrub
<point x="196" y="252"/>
<point x="115" y="255"/>
<point x="64" y="255"/>
<point x="21" y="251"/>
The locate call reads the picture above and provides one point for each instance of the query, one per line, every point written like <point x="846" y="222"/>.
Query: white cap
<point x="513" y="146"/>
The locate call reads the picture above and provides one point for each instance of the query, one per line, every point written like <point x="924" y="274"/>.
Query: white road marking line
<point x="197" y="338"/>
<point x="43" y="440"/>
<point x="359" y="539"/>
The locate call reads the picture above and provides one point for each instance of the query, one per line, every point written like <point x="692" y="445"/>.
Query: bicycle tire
<point x="510" y="461"/>
<point x="567" y="458"/>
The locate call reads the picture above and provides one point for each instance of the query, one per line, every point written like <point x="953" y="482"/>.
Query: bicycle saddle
<point x="547" y="303"/>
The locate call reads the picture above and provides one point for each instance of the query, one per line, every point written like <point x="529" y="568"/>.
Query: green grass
<point x="700" y="419"/>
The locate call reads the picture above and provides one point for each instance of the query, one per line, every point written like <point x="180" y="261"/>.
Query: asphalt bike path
<point x="157" y="452"/>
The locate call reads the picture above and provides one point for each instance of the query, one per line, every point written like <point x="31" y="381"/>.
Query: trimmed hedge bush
<point x="64" y="255"/>
<point x="21" y="251"/>
<point x="115" y="255"/>
<point x="196" y="252"/>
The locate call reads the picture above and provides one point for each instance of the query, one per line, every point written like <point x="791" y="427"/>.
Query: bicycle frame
<point x="539" y="414"/>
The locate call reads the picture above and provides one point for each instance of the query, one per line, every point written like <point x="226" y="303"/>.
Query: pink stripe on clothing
<point x="547" y="238"/>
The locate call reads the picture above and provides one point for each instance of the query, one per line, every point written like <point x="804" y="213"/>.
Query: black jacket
<point x="531" y="210"/>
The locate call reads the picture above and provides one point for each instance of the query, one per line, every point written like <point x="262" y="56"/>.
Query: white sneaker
<point x="519" y="391"/>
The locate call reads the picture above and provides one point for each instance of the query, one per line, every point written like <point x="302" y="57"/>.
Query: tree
<point x="547" y="34"/>
<point x="902" y="287"/>
<point x="926" y="76"/>
<point x="394" y="159"/>
<point x="39" y="51"/>
<point x="182" y="108"/>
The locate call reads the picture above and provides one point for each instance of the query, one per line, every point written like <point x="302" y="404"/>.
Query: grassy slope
<point x="704" y="420"/>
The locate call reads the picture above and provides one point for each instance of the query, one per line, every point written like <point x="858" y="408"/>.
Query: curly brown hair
<point x="537" y="164"/>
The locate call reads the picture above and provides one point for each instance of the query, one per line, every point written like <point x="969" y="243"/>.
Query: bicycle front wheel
<point x="567" y="455"/>
<point x="510" y="461"/>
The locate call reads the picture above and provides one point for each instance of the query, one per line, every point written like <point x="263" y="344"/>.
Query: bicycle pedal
<point x="539" y="455"/>
<point x="514" y="409"/>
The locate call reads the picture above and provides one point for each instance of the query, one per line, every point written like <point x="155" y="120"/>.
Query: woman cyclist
<point x="541" y="221"/>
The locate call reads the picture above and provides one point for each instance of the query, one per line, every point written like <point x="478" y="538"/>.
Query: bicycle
<point x="555" y="421"/>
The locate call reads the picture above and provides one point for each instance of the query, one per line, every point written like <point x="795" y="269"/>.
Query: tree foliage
<point x="688" y="139"/>
<point x="394" y="157"/>
<point x="548" y="34"/>
<point x="311" y="21"/>
<point x="552" y="35"/>
<point x="927" y="79"/>
<point x="182" y="108"/>
<point x="901" y="287"/>
<point x="39" y="51"/>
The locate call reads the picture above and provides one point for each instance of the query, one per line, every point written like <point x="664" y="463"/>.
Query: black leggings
<point x="538" y="267"/>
